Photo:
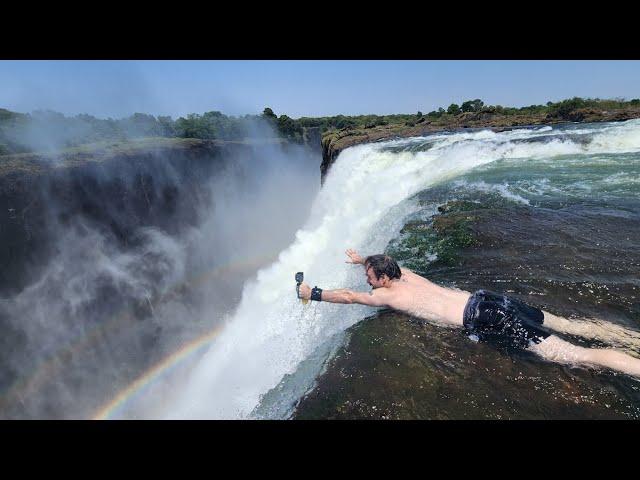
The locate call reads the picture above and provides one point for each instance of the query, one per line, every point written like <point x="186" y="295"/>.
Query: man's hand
<point x="355" y="258"/>
<point x="304" y="291"/>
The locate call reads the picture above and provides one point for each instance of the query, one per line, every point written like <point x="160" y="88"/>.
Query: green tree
<point x="564" y="108"/>
<point x="167" y="126"/>
<point x="289" y="128"/>
<point x="142" y="124"/>
<point x="472" y="105"/>
<point x="193" y="127"/>
<point x="454" y="109"/>
<point x="268" y="113"/>
<point x="340" y="121"/>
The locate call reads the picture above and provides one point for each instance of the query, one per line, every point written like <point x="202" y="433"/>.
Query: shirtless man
<point x="483" y="313"/>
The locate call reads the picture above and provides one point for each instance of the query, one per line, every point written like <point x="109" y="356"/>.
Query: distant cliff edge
<point x="335" y="141"/>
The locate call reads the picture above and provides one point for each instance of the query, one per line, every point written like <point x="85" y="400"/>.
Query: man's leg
<point x="595" y="329"/>
<point x="555" y="349"/>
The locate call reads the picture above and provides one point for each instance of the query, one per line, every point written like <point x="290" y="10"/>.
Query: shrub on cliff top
<point x="454" y="109"/>
<point x="472" y="105"/>
<point x="564" y="108"/>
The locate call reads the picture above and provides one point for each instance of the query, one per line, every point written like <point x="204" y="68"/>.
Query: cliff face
<point x="113" y="189"/>
<point x="334" y="142"/>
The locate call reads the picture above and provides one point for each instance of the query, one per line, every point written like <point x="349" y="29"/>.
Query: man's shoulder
<point x="388" y="293"/>
<point x="379" y="292"/>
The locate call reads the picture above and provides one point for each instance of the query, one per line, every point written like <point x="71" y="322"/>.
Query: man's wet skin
<point x="417" y="296"/>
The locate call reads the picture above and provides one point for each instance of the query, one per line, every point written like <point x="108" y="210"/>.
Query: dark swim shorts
<point x="504" y="320"/>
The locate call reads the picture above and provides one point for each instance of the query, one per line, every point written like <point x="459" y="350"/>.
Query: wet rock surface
<point x="394" y="367"/>
<point x="572" y="260"/>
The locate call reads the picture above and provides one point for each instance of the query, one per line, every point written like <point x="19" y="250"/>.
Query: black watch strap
<point x="316" y="294"/>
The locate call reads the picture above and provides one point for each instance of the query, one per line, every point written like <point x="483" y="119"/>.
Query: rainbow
<point x="165" y="366"/>
<point x="47" y="370"/>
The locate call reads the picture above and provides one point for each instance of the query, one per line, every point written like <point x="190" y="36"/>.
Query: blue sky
<point x="302" y="87"/>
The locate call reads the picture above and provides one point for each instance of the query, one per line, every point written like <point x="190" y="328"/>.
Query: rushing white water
<point x="362" y="205"/>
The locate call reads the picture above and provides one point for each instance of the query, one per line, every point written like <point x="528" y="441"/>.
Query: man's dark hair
<point x="383" y="264"/>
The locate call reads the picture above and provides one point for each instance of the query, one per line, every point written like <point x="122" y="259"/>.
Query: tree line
<point x="49" y="130"/>
<point x="558" y="109"/>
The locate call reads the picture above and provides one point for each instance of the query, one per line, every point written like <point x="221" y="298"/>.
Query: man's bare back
<point x="417" y="296"/>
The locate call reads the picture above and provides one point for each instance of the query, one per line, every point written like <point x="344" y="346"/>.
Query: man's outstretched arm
<point x="374" y="299"/>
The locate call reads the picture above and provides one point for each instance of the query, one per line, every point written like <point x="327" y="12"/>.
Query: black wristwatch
<point x="316" y="294"/>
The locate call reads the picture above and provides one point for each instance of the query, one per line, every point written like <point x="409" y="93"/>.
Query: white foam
<point x="621" y="138"/>
<point x="501" y="188"/>
<point x="622" y="178"/>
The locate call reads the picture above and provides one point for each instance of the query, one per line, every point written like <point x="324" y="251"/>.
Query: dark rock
<point x="395" y="367"/>
<point x="115" y="194"/>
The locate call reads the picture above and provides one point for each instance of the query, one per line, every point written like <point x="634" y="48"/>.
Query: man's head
<point x="381" y="270"/>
